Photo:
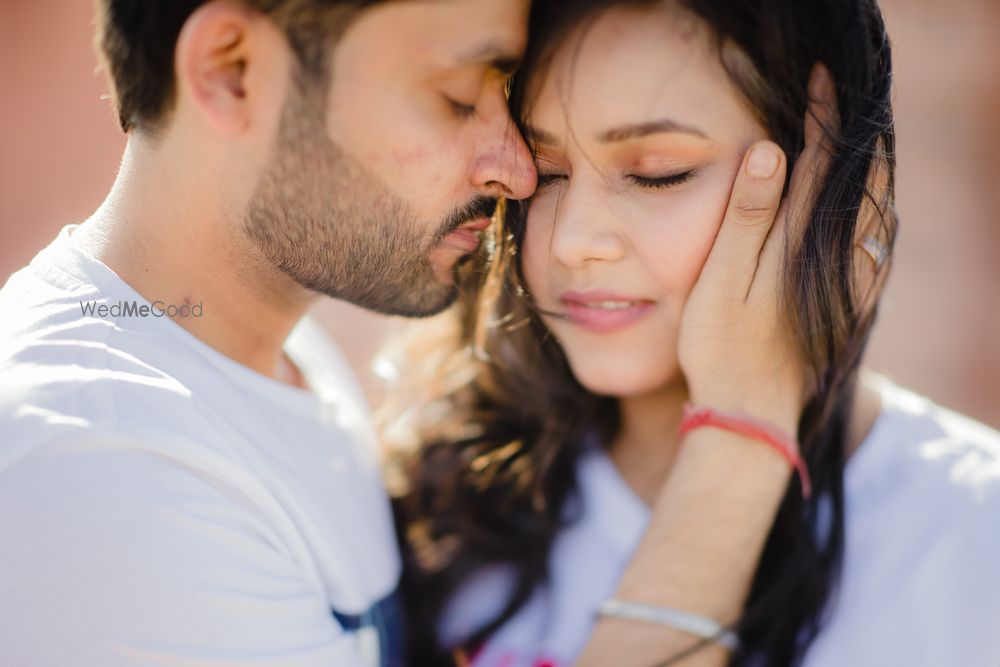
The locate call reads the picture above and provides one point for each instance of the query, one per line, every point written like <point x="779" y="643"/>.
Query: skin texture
<point x="264" y="188"/>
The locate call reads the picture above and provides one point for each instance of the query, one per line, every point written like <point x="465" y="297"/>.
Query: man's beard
<point x="328" y="224"/>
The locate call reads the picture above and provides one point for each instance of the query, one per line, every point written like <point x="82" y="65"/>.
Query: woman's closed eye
<point x="647" y="182"/>
<point x="660" y="182"/>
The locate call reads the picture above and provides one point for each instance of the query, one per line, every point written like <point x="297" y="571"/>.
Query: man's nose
<point x="504" y="166"/>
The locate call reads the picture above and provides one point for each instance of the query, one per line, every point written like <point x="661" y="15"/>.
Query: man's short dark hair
<point x="136" y="40"/>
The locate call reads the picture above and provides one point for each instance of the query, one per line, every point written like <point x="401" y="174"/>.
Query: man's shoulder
<point x="67" y="371"/>
<point x="84" y="385"/>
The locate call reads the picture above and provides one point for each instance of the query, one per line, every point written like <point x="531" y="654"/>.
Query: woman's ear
<point x="211" y="60"/>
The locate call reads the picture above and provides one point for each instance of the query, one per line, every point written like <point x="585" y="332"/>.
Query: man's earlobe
<point x="210" y="64"/>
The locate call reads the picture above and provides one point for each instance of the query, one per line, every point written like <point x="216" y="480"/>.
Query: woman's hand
<point x="736" y="349"/>
<point x="711" y="518"/>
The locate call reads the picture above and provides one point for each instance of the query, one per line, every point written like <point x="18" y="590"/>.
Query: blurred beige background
<point x="938" y="334"/>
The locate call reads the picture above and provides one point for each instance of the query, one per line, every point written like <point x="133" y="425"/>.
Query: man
<point x="187" y="473"/>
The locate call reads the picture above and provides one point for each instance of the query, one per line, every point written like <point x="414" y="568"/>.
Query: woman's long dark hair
<point x="488" y="420"/>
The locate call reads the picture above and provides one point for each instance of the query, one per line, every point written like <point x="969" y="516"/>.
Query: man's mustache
<point x="479" y="207"/>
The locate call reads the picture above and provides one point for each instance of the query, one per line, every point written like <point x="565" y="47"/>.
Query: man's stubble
<point x="323" y="220"/>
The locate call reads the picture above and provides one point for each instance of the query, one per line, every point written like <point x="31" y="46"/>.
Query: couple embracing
<point x="637" y="432"/>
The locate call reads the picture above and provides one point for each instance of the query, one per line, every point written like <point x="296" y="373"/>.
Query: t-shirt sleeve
<point x="117" y="557"/>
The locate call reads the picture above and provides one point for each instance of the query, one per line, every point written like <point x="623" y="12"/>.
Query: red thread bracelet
<point x="696" y="417"/>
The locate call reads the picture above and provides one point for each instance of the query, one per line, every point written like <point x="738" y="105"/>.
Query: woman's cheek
<point x="534" y="254"/>
<point x="679" y="232"/>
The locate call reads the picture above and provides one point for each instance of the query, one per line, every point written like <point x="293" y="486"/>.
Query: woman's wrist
<point x="710" y="522"/>
<point x="718" y="461"/>
<point x="779" y="408"/>
<point x="761" y="432"/>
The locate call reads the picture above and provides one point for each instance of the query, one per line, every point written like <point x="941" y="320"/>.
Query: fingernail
<point x="763" y="162"/>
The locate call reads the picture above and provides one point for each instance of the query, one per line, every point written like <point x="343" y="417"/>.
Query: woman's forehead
<point x="632" y="66"/>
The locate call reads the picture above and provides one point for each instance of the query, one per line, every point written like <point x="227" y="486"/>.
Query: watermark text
<point x="137" y="309"/>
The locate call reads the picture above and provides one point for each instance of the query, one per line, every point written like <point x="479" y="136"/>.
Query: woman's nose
<point x="585" y="231"/>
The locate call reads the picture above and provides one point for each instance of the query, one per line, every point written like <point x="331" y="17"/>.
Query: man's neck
<point x="168" y="234"/>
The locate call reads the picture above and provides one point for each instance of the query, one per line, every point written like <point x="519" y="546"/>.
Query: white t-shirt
<point x="921" y="570"/>
<point x="162" y="504"/>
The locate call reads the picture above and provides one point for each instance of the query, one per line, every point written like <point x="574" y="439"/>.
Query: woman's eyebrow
<point x="638" y="130"/>
<point x="623" y="133"/>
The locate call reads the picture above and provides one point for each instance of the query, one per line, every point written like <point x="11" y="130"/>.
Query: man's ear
<point x="211" y="60"/>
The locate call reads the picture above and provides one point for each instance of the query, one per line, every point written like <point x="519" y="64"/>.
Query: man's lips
<point x="477" y="225"/>
<point x="466" y="237"/>
<point x="604" y="311"/>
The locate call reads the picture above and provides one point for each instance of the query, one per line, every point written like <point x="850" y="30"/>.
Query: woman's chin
<point x="621" y="384"/>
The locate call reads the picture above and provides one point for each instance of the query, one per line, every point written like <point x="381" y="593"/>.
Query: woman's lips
<point x="603" y="311"/>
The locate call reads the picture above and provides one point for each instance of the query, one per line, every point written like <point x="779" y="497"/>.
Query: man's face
<point x="376" y="180"/>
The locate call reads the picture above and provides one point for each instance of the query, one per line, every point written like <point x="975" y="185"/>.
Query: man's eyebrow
<point x="497" y="56"/>
<point x="639" y="130"/>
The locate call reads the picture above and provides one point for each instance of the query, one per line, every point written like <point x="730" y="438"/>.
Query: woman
<point x="542" y="452"/>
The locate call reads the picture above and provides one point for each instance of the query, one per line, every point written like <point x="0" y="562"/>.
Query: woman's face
<point x="640" y="133"/>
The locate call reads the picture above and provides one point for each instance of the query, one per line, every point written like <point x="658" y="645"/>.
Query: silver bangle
<point x="699" y="626"/>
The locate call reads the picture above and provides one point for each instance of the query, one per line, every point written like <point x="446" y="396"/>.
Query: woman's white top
<point x="921" y="569"/>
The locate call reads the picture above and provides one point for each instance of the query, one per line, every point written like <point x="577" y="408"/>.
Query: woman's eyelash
<point x="657" y="182"/>
<point x="661" y="181"/>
